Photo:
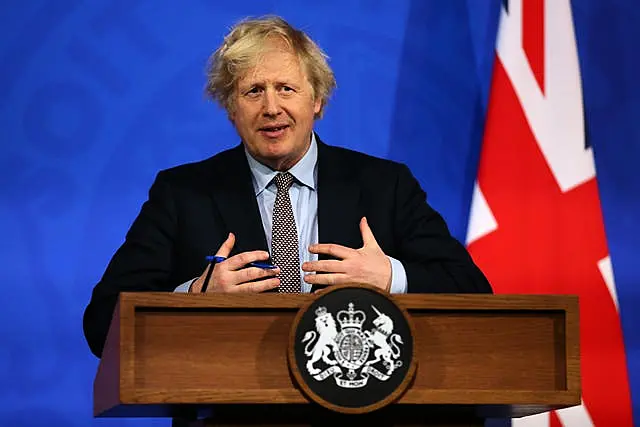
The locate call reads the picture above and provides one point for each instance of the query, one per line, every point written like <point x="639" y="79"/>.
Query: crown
<point x="351" y="318"/>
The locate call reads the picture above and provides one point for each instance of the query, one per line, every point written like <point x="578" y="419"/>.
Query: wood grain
<point x="165" y="350"/>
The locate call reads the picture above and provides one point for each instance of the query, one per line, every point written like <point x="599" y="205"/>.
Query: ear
<point x="317" y="106"/>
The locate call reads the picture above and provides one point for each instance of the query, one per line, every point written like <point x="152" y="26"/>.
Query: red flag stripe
<point x="533" y="37"/>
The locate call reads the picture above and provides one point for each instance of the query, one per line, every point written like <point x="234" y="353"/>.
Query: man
<point x="324" y="215"/>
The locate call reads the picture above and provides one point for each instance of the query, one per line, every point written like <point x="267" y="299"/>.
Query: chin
<point x="270" y="157"/>
<point x="276" y="149"/>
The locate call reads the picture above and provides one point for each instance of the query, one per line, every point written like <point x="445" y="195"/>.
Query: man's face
<point x="274" y="108"/>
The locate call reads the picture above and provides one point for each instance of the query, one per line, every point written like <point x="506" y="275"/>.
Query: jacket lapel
<point x="235" y="198"/>
<point x="339" y="211"/>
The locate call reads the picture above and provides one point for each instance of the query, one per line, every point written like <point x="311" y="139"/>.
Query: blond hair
<point x="246" y="40"/>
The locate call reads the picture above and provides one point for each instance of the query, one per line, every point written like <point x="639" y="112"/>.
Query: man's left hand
<point x="368" y="265"/>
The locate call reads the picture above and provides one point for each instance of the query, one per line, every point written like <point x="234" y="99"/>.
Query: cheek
<point x="244" y="116"/>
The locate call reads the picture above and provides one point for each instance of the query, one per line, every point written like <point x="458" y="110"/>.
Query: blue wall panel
<point x="96" y="97"/>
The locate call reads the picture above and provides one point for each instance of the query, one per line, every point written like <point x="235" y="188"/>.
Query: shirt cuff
<point x="398" y="277"/>
<point x="184" y="288"/>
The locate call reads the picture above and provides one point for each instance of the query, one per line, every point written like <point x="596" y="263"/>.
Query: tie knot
<point x="284" y="181"/>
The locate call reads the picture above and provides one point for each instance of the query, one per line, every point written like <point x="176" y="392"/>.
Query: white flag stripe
<point x="539" y="420"/>
<point x="576" y="416"/>
<point x="606" y="269"/>
<point x="481" y="219"/>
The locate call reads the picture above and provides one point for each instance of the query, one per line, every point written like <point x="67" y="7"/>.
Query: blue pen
<point x="216" y="259"/>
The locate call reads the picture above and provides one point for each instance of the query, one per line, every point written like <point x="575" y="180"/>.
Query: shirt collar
<point x="303" y="171"/>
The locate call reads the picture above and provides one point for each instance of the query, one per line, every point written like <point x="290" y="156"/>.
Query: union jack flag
<point x="536" y="224"/>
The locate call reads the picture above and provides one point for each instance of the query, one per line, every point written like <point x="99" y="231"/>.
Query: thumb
<point x="227" y="246"/>
<point x="367" y="235"/>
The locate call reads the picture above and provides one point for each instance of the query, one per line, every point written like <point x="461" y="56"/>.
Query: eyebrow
<point x="262" y="83"/>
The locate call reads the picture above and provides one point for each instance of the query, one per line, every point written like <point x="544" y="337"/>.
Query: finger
<point x="197" y="285"/>
<point x="329" y="266"/>
<point x="240" y="260"/>
<point x="227" y="246"/>
<point x="253" y="273"/>
<point x="327" y="279"/>
<point x="336" y="251"/>
<point x="367" y="235"/>
<point x="259" y="286"/>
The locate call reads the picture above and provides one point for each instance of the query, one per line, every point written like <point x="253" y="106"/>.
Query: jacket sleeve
<point x="142" y="263"/>
<point x="434" y="261"/>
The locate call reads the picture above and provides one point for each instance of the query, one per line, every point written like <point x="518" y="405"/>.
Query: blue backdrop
<point x="97" y="96"/>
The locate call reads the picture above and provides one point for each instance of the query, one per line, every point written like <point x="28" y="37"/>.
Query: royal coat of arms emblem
<point x="349" y="353"/>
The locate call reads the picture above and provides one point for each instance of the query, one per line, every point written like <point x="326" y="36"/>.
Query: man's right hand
<point x="232" y="275"/>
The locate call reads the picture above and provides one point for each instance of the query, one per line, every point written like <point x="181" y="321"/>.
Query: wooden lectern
<point x="224" y="358"/>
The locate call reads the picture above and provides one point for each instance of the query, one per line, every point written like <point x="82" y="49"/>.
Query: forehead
<point x="276" y="62"/>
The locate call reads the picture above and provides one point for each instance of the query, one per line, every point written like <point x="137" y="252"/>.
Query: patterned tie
<point x="284" y="237"/>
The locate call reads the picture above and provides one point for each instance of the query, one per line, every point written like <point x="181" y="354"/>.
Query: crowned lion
<point x="325" y="343"/>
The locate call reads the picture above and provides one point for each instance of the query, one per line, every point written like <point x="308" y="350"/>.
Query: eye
<point x="287" y="89"/>
<point x="254" y="91"/>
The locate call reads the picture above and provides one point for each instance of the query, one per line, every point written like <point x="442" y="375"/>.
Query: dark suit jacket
<point x="192" y="208"/>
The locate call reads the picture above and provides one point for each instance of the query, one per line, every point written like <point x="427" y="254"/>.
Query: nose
<point x="271" y="103"/>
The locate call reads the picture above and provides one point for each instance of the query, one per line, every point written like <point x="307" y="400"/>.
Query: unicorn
<point x="381" y="336"/>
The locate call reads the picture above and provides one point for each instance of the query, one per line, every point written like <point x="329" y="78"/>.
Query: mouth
<point x="273" y="131"/>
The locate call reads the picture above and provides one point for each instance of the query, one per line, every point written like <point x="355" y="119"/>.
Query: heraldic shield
<point x="351" y="349"/>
